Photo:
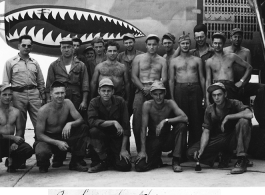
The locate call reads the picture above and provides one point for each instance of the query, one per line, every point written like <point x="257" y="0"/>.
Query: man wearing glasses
<point x="25" y="76"/>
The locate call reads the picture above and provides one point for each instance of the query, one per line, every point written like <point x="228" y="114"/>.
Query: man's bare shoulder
<point x="147" y="104"/>
<point x="228" y="49"/>
<point x="160" y="58"/>
<point x="170" y="103"/>
<point x="140" y="56"/>
<point x="244" y="49"/>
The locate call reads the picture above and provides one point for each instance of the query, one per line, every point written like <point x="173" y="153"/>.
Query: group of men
<point x="88" y="101"/>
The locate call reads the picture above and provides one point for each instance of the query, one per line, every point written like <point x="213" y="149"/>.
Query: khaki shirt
<point x="21" y="73"/>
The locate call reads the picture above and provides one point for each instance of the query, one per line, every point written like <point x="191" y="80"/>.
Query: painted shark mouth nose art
<point x="48" y="24"/>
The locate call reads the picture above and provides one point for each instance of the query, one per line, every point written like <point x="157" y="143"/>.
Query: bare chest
<point x="115" y="70"/>
<point x="186" y="66"/>
<point x="7" y="118"/>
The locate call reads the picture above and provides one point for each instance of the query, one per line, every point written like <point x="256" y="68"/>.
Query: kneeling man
<point x="227" y="127"/>
<point x="12" y="144"/>
<point x="56" y="136"/>
<point x="158" y="115"/>
<point x="108" y="119"/>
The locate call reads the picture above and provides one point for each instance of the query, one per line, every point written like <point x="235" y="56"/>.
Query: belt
<point x="222" y="81"/>
<point x="21" y="89"/>
<point x="191" y="83"/>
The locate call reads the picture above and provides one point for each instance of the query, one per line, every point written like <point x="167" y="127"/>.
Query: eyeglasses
<point x="25" y="45"/>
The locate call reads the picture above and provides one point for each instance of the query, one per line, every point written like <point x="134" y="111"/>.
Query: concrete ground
<point x="162" y="177"/>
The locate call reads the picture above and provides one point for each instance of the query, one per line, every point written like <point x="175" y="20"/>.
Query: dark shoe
<point x="11" y="169"/>
<point x="94" y="163"/>
<point x="170" y="155"/>
<point x="57" y="164"/>
<point x="176" y="166"/>
<point x="77" y="167"/>
<point x="249" y="163"/>
<point x="240" y="166"/>
<point x="82" y="162"/>
<point x="223" y="163"/>
<point x="102" y="166"/>
<point x="43" y="169"/>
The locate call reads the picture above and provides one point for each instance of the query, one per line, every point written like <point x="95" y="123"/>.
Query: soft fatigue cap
<point x="66" y="40"/>
<point x="152" y="36"/>
<point x="89" y="48"/>
<point x="4" y="87"/>
<point x="157" y="85"/>
<point x="219" y="35"/>
<point x="216" y="86"/>
<point x="169" y="36"/>
<point x="128" y="35"/>
<point x="236" y="30"/>
<point x="105" y="82"/>
<point x="98" y="40"/>
<point x="184" y="37"/>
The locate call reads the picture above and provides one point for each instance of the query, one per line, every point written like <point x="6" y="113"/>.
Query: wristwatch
<point x="242" y="80"/>
<point x="166" y="120"/>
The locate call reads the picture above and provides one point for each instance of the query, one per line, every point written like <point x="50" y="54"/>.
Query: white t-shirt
<point x="68" y="67"/>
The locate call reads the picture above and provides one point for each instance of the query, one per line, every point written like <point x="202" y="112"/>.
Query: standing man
<point x="158" y="116"/>
<point x="77" y="44"/>
<point x="227" y="126"/>
<point x="110" y="129"/>
<point x="98" y="44"/>
<point x="126" y="57"/>
<point x="146" y="68"/>
<point x="187" y="87"/>
<point x="12" y="143"/>
<point x="73" y="73"/>
<point x="249" y="89"/>
<point x="219" y="68"/>
<point x="90" y="55"/>
<point x="25" y="76"/>
<point x="203" y="50"/>
<point x="113" y="70"/>
<point x="168" y="41"/>
<point x="56" y="135"/>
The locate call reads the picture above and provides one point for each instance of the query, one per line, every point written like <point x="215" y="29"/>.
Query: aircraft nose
<point x="2" y="20"/>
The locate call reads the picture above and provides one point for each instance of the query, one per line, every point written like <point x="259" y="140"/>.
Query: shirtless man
<point x="146" y="68"/>
<point x="98" y="44"/>
<point x="219" y="68"/>
<point x="158" y="116"/>
<point x="12" y="144"/>
<point x="250" y="89"/>
<point x="56" y="136"/>
<point x="187" y="72"/>
<point x="113" y="70"/>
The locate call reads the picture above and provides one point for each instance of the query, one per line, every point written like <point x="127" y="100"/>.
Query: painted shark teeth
<point x="61" y="12"/>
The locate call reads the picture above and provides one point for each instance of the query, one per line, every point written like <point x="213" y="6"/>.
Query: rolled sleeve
<point x="207" y="124"/>
<point x="7" y="73"/>
<point x="240" y="106"/>
<point x="93" y="115"/>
